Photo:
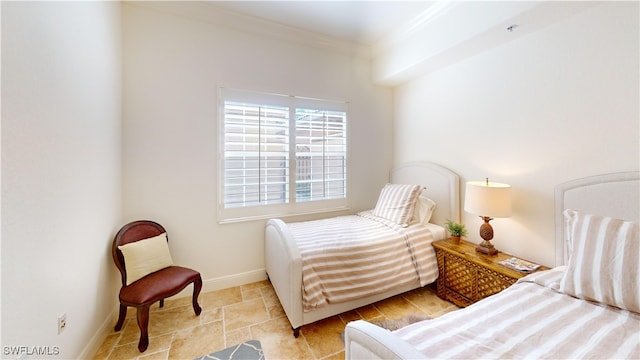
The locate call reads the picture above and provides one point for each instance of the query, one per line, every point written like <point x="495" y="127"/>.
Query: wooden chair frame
<point x="154" y="287"/>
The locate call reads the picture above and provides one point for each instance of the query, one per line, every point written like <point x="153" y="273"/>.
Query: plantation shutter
<point x="256" y="154"/>
<point x="321" y="154"/>
<point x="281" y="155"/>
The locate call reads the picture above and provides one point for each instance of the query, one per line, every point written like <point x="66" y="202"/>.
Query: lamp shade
<point x="485" y="198"/>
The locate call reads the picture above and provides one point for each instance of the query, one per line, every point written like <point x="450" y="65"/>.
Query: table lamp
<point x="488" y="200"/>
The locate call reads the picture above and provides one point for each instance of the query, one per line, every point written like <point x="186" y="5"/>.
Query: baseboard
<point x="228" y="281"/>
<point x="234" y="280"/>
<point x="98" y="338"/>
<point x="219" y="283"/>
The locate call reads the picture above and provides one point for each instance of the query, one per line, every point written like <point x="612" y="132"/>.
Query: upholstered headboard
<point x="442" y="184"/>
<point x="615" y="195"/>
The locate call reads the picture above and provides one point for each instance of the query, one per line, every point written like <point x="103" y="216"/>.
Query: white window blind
<point x="256" y="154"/>
<point x="281" y="155"/>
<point x="321" y="154"/>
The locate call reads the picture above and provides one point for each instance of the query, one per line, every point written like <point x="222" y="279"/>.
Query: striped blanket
<point x="349" y="257"/>
<point x="531" y="319"/>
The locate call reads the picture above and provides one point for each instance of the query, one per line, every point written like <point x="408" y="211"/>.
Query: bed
<point x="575" y="310"/>
<point x="285" y="264"/>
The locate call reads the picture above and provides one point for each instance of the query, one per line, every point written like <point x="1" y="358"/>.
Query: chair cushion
<point x="157" y="285"/>
<point x="146" y="256"/>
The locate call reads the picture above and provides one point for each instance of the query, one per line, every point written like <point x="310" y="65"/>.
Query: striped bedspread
<point x="530" y="320"/>
<point x="350" y="257"/>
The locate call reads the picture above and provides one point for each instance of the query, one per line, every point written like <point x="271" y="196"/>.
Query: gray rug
<point x="400" y="323"/>
<point x="250" y="350"/>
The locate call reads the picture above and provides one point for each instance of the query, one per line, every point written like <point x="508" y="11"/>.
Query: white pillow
<point x="145" y="256"/>
<point x="604" y="263"/>
<point x="397" y="202"/>
<point x="423" y="209"/>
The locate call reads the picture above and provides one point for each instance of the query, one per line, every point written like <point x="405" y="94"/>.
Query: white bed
<point x="284" y="264"/>
<point x="545" y="315"/>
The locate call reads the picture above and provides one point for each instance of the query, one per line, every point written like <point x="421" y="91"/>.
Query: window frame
<point x="292" y="208"/>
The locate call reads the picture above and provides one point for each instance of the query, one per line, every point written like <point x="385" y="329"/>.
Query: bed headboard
<point x="615" y="195"/>
<point x="443" y="187"/>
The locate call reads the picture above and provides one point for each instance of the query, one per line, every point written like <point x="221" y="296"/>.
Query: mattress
<point x="351" y="257"/>
<point x="531" y="319"/>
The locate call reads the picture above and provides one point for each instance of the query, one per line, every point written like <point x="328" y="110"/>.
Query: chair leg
<point x="197" y="286"/>
<point x="143" y="324"/>
<point x="121" y="316"/>
<point x="162" y="302"/>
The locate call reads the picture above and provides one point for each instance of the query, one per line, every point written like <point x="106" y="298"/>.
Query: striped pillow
<point x="396" y="203"/>
<point x="604" y="262"/>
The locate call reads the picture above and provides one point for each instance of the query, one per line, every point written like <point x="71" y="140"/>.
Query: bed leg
<point x="296" y="332"/>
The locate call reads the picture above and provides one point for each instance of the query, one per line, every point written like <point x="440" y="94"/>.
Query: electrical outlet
<point x="62" y="322"/>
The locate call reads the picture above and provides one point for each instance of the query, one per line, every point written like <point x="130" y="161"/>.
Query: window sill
<point x="283" y="215"/>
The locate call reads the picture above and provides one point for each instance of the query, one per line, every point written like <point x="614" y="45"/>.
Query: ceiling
<point x="403" y="39"/>
<point x="363" y="22"/>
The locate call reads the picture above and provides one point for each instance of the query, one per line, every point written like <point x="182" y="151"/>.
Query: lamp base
<point x="486" y="248"/>
<point x="486" y="233"/>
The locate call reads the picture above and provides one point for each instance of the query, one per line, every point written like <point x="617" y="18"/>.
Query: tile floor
<point x="252" y="311"/>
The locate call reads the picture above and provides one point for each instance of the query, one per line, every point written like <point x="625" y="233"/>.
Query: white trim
<point x="100" y="335"/>
<point x="229" y="281"/>
<point x="283" y="215"/>
<point x="225" y="282"/>
<point x="210" y="13"/>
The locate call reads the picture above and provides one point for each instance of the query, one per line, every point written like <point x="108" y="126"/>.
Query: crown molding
<point x="209" y="12"/>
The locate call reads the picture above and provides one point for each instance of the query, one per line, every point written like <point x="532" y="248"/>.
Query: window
<point x="281" y="155"/>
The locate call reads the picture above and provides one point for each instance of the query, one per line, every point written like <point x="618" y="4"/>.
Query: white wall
<point x="554" y="105"/>
<point x="173" y="66"/>
<point x="61" y="173"/>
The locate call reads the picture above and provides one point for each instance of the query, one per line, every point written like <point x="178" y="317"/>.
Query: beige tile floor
<point x="252" y="311"/>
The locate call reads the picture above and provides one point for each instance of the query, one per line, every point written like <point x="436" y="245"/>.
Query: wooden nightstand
<point x="467" y="276"/>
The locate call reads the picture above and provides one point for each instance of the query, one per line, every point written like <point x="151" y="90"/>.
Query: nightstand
<point x="467" y="276"/>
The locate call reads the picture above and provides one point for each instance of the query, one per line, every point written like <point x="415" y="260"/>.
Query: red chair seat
<point x="157" y="286"/>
